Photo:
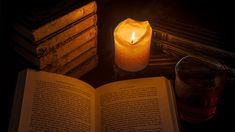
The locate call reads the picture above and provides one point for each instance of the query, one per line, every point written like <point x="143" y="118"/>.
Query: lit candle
<point x="132" y="44"/>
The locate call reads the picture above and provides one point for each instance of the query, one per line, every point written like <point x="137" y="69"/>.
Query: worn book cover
<point x="73" y="59"/>
<point x="57" y="39"/>
<point x="179" y="46"/>
<point x="38" y="23"/>
<point x="66" y="47"/>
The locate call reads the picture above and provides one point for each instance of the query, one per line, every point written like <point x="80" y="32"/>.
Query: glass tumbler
<point x="198" y="84"/>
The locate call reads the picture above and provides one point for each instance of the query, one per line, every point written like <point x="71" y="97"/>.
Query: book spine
<point x="78" y="42"/>
<point x="60" y="51"/>
<point x="172" y="50"/>
<point x="179" y="51"/>
<point x="72" y="64"/>
<point x="45" y="46"/>
<point x="83" y="68"/>
<point x="180" y="46"/>
<point x="190" y="32"/>
<point x="74" y="43"/>
<point x="57" y="24"/>
<point x="159" y="35"/>
<point x="75" y="53"/>
<point x="63" y="38"/>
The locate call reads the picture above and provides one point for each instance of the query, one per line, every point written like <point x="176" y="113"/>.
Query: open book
<point x="52" y="102"/>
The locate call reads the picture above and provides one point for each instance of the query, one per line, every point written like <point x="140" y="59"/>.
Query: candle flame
<point x="132" y="37"/>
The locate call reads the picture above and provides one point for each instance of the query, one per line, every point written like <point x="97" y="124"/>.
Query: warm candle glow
<point x="132" y="44"/>
<point x="132" y="37"/>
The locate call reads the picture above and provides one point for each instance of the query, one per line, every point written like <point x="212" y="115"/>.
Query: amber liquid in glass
<point x="197" y="98"/>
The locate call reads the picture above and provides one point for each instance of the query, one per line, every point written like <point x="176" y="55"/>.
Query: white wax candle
<point x="132" y="44"/>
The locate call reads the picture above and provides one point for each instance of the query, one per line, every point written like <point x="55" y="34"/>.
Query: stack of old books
<point x="60" y="39"/>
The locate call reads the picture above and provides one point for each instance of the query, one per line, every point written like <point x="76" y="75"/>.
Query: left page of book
<point x="140" y="105"/>
<point x="53" y="102"/>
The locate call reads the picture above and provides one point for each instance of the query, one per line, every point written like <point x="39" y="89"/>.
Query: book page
<point x="53" y="102"/>
<point x="139" y="105"/>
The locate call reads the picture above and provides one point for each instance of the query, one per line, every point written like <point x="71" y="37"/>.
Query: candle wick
<point x="132" y="41"/>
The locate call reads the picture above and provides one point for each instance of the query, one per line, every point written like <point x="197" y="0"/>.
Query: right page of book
<point x="140" y="105"/>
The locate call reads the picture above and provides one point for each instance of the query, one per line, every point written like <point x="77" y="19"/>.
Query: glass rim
<point x="204" y="60"/>
<point x="220" y="69"/>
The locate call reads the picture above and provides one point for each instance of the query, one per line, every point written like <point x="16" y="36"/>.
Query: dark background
<point x="214" y="15"/>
